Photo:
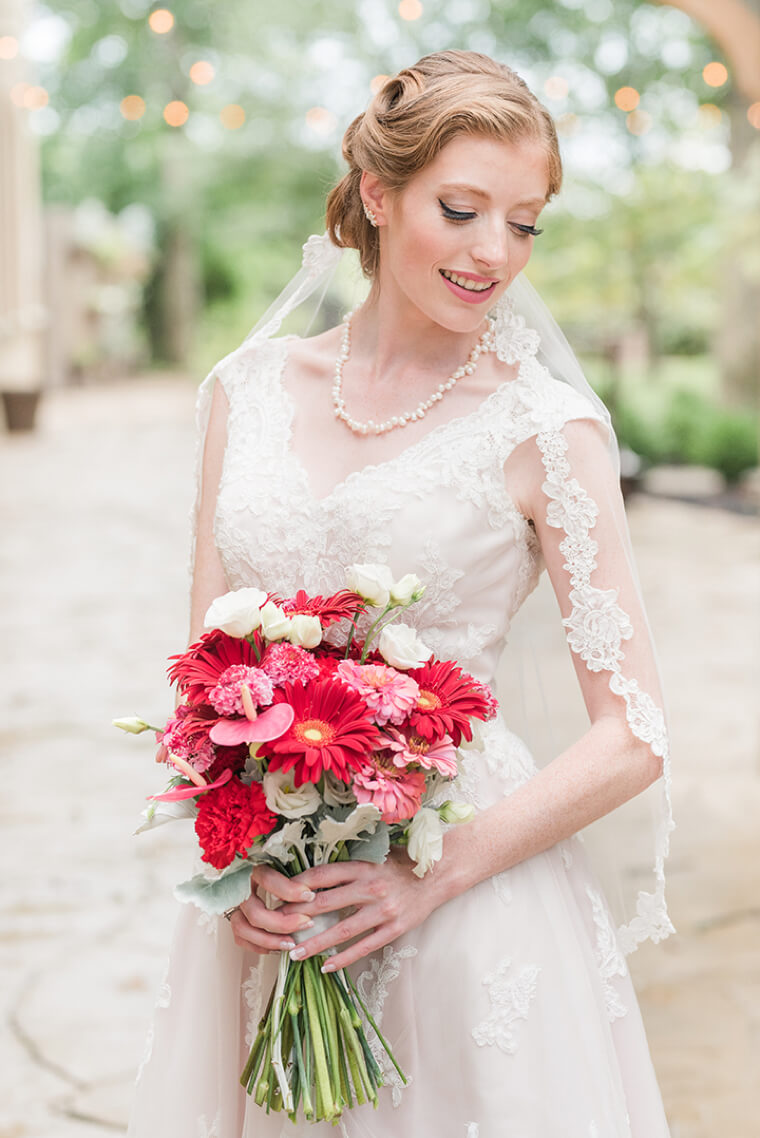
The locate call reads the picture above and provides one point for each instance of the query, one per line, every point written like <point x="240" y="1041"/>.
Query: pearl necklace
<point x="485" y="344"/>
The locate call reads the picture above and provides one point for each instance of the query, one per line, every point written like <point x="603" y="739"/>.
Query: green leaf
<point x="216" y="895"/>
<point x="374" y="848"/>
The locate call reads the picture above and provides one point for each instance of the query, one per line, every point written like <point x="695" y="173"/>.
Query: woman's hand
<point x="387" y="901"/>
<point x="265" y="930"/>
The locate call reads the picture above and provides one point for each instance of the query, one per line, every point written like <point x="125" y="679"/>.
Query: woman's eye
<point x="454" y="214"/>
<point x="526" y="230"/>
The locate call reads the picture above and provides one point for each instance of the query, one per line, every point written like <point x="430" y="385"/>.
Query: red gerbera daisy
<point x="198" y="669"/>
<point x="328" y="609"/>
<point x="331" y="731"/>
<point x="230" y="819"/>
<point x="448" y="699"/>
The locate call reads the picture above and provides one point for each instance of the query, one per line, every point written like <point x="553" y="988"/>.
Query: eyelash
<point x="456" y="215"/>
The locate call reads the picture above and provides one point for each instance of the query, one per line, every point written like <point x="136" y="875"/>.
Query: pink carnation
<point x="289" y="664"/>
<point x="492" y="703"/>
<point x="186" y="736"/>
<point x="225" y="697"/>
<point x="396" y="793"/>
<point x="388" y="694"/>
<point x="435" y="754"/>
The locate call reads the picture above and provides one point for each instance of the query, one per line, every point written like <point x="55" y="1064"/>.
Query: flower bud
<point x="133" y="725"/>
<point x="409" y="588"/>
<point x="372" y="582"/>
<point x="454" y="813"/>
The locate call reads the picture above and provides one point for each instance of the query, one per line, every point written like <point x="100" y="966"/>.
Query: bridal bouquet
<point x="295" y="749"/>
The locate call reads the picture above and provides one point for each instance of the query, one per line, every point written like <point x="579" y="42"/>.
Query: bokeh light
<point x="378" y="82"/>
<point x="202" y="72"/>
<point x="176" y="113"/>
<point x="32" y="97"/>
<point x="709" y="115"/>
<point x="556" y="87"/>
<point x="8" y="47"/>
<point x="627" y="98"/>
<point x="161" y="21"/>
<point x="715" y="74"/>
<point x="132" y="107"/>
<point x="639" y="122"/>
<point x="18" y="90"/>
<point x="320" y="119"/>
<point x="753" y="114"/>
<point x="410" y="9"/>
<point x="568" y="125"/>
<point x="232" y="116"/>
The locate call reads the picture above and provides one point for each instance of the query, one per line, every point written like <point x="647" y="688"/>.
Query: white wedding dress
<point x="510" y="1009"/>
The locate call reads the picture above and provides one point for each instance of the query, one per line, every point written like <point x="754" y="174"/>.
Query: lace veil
<point x="628" y="846"/>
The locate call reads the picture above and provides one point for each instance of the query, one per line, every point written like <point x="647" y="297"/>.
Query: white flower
<point x="305" y="630"/>
<point x="401" y="647"/>
<point x="279" y="844"/>
<point x="237" y="613"/>
<point x="159" y="813"/>
<point x="455" y="813"/>
<point x="336" y="793"/>
<point x="285" y="798"/>
<point x="132" y="724"/>
<point x="275" y="624"/>
<point x="372" y="582"/>
<point x="409" y="588"/>
<point x="425" y="840"/>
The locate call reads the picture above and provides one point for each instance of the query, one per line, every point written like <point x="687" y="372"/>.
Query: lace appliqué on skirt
<point x="511" y="997"/>
<point x="373" y="986"/>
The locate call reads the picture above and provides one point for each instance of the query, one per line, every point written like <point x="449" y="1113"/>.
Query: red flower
<point x="230" y="819"/>
<point x="328" y="609"/>
<point x="198" y="670"/>
<point x="448" y="699"/>
<point x="331" y="731"/>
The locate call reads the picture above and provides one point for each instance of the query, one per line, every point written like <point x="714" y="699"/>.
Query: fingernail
<point x="298" y="953"/>
<point x="306" y="923"/>
<point x="286" y="945"/>
<point x="307" y="895"/>
<point x="328" y="967"/>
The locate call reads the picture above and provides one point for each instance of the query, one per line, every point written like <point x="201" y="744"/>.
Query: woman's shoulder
<point x="550" y="402"/>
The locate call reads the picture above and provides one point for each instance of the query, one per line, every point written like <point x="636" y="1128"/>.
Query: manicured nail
<point x="307" y="895"/>
<point x="298" y="953"/>
<point x="286" y="945"/>
<point x="328" y="967"/>
<point x="306" y="923"/>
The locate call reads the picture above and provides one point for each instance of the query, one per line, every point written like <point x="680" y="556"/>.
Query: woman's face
<point x="465" y="215"/>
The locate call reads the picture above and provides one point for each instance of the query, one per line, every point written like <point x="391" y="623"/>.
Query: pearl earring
<point x="369" y="214"/>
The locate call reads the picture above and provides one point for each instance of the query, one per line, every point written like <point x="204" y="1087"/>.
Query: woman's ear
<point x="374" y="195"/>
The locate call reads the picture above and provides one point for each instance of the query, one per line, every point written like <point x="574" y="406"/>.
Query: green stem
<point x="371" y="631"/>
<point x="371" y="1021"/>
<point x="352" y="631"/>
<point x="320" y="1059"/>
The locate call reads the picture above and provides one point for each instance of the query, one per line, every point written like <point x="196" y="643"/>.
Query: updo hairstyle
<point x="410" y="120"/>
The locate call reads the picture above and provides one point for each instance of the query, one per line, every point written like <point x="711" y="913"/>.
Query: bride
<point x="425" y="431"/>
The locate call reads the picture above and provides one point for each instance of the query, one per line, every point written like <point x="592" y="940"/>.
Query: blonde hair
<point x="410" y="120"/>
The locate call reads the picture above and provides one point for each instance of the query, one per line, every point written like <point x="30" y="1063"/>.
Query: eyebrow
<point x="482" y="193"/>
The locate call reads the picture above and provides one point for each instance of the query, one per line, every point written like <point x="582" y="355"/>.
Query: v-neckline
<point x="407" y="452"/>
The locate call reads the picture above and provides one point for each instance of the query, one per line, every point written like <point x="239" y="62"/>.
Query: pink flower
<point x="186" y="735"/>
<point x="289" y="664"/>
<point x="388" y="694"/>
<point x="435" y="754"/>
<point x="396" y="793"/>
<point x="226" y="698"/>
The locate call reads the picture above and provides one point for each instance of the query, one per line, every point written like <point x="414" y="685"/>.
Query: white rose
<point x="275" y="624"/>
<point x="401" y="647"/>
<point x="305" y="630"/>
<point x="409" y="588"/>
<point x="372" y="582"/>
<point x="236" y="613"/>
<point x="425" y="840"/>
<point x="284" y="797"/>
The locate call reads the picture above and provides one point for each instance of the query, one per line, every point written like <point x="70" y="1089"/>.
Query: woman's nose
<point x="491" y="251"/>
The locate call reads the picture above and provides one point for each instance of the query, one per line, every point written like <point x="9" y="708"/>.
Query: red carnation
<point x="198" y="669"/>
<point x="229" y="819"/>
<point x="448" y="699"/>
<point x="328" y="609"/>
<point x="331" y="731"/>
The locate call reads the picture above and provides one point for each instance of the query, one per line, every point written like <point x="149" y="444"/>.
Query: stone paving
<point x="93" y="517"/>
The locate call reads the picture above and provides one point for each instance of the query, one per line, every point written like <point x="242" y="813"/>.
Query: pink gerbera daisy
<point x="432" y="754"/>
<point x="388" y="694"/>
<point x="396" y="793"/>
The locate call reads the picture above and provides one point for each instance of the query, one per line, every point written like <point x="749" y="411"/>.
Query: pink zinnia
<point x="435" y="754"/>
<point x="289" y="664"/>
<point x="225" y="697"/>
<point x="396" y="793"/>
<point x="388" y="694"/>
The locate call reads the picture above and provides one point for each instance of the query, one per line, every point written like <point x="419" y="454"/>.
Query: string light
<point x="709" y="115"/>
<point x="132" y="107"/>
<point x="410" y="9"/>
<point x="202" y="72"/>
<point x="753" y="114"/>
<point x="714" y="74"/>
<point x="378" y="82"/>
<point x="176" y="113"/>
<point x="556" y="87"/>
<point x="161" y="21"/>
<point x="8" y="47"/>
<point x="627" y="98"/>
<point x="232" y="116"/>
<point x="639" y="122"/>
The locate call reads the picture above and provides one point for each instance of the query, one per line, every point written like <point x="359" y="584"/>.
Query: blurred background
<point x="160" y="169"/>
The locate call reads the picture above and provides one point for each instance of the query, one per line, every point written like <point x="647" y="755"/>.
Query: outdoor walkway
<point x="93" y="581"/>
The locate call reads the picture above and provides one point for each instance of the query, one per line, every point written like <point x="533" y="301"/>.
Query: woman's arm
<point x="208" y="575"/>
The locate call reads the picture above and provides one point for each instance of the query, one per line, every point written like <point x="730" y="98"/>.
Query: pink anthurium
<point x="190" y="791"/>
<point x="270" y="724"/>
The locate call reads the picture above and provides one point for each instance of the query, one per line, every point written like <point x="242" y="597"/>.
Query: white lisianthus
<point x="425" y="840"/>
<point x="132" y="724"/>
<point x="237" y="613"/>
<point x="305" y="630"/>
<point x="372" y="582"/>
<point x="409" y="588"/>
<point x="401" y="647"/>
<point x="284" y="797"/>
<point x="336" y="792"/>
<point x="454" y="813"/>
<point x="275" y="624"/>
